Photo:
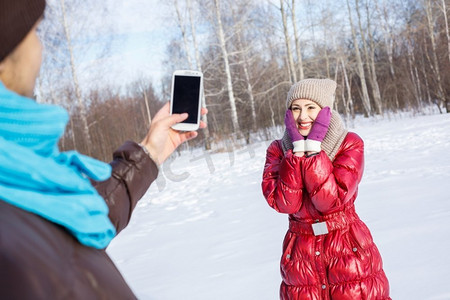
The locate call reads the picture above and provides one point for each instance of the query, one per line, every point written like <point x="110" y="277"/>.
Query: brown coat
<point x="41" y="260"/>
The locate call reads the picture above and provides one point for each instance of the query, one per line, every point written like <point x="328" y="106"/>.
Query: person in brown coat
<point x="60" y="210"/>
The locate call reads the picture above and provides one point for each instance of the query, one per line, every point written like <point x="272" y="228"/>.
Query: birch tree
<point x="444" y="9"/>
<point x="349" y="101"/>
<point x="368" y="56"/>
<point x="76" y="84"/>
<point x="199" y="67"/>
<point x="229" y="84"/>
<point x="414" y="76"/>
<point x="325" y="30"/>
<point x="389" y="39"/>
<point x="371" y="62"/>
<point x="362" y="76"/>
<point x="143" y="87"/>
<point x="183" y="34"/>
<point x="243" y="54"/>
<point x="436" y="69"/>
<point x="292" y="72"/>
<point x="297" y="43"/>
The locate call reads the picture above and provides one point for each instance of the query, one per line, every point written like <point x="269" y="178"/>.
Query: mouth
<point x="304" y="126"/>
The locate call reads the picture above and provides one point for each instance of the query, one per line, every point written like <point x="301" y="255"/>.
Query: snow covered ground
<point x="204" y="230"/>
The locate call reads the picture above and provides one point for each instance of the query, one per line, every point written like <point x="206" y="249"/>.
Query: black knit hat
<point x="17" y="17"/>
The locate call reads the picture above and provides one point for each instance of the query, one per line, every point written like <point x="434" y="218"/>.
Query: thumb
<point x="174" y="119"/>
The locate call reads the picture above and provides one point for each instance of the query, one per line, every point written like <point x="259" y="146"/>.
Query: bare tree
<point x="183" y="34"/>
<point x="143" y="88"/>
<point x="447" y="30"/>
<point x="297" y="43"/>
<point x="389" y="38"/>
<point x="199" y="67"/>
<point x="81" y="104"/>
<point x="292" y="72"/>
<point x="349" y="103"/>
<point x="231" y="98"/>
<point x="370" y="54"/>
<point x="414" y="75"/>
<point x="243" y="50"/>
<point x="362" y="76"/>
<point x="436" y="68"/>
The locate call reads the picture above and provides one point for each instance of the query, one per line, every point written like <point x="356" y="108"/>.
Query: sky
<point x="143" y="32"/>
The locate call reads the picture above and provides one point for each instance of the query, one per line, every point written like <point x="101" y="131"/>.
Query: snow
<point x="204" y="231"/>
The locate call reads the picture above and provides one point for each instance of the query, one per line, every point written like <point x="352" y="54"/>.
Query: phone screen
<point x="186" y="93"/>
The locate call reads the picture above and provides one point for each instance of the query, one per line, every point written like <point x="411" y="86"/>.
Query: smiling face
<point x="305" y="112"/>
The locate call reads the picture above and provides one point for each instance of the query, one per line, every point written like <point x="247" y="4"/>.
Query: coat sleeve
<point x="332" y="184"/>
<point x="282" y="183"/>
<point x="132" y="173"/>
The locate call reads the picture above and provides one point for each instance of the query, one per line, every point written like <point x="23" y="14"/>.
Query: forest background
<point x="109" y="63"/>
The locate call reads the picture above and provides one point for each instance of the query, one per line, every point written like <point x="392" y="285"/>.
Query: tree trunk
<point x="389" y="43"/>
<point x="371" y="62"/>
<point x="297" y="43"/>
<point x="327" y="59"/>
<point x="249" y="85"/>
<point x="183" y="34"/>
<point x="81" y="104"/>
<point x="199" y="67"/>
<point x="444" y="11"/>
<point x="437" y="73"/>
<point x="245" y="67"/>
<point x="147" y="108"/>
<point x="415" y="81"/>
<point x="425" y="77"/>
<point x="291" y="65"/>
<point x="349" y="102"/>
<point x="231" y="98"/>
<point x="365" y="93"/>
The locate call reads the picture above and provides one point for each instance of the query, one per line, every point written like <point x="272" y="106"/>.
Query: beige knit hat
<point x="320" y="91"/>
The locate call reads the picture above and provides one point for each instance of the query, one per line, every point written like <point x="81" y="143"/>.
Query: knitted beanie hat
<point x="320" y="91"/>
<point x="17" y="17"/>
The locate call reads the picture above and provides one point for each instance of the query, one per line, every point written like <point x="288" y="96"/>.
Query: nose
<point x="303" y="114"/>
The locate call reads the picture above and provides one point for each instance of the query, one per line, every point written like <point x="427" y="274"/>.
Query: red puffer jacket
<point x="316" y="192"/>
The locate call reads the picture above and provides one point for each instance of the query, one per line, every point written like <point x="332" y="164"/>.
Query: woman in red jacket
<point x="312" y="174"/>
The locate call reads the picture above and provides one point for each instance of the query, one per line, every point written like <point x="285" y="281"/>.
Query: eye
<point x="296" y="109"/>
<point x="311" y="107"/>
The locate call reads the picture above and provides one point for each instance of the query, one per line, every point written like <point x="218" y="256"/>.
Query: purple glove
<point x="319" y="130"/>
<point x="291" y="127"/>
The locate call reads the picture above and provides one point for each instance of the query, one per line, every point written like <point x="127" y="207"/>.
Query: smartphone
<point x="187" y="91"/>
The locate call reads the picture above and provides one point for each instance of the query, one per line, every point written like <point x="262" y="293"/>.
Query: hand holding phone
<point x="161" y="140"/>
<point x="186" y="97"/>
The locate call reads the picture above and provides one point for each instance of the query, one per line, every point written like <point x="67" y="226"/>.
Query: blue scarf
<point x="36" y="177"/>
